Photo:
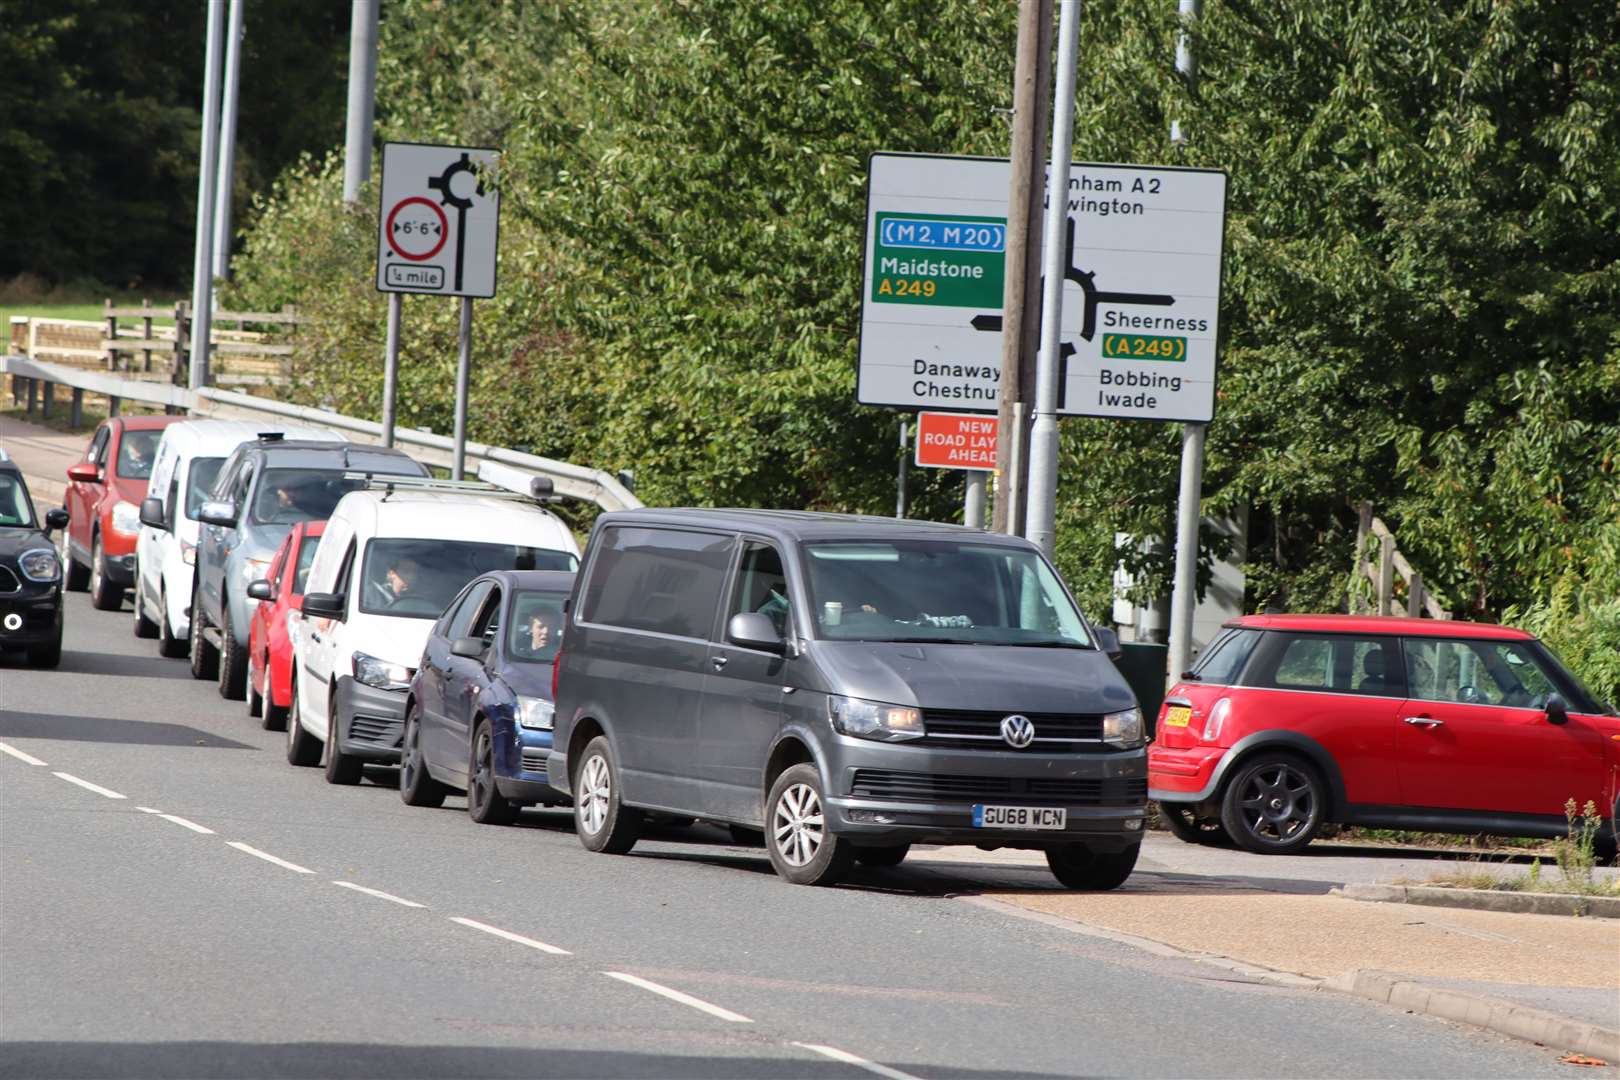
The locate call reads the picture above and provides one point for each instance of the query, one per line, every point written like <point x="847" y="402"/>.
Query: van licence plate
<point x="1019" y="817"/>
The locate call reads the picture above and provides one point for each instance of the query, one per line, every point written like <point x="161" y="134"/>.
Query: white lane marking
<point x="178" y="820"/>
<point x="19" y="755"/>
<point x="676" y="995"/>
<point x="269" y="858"/>
<point x="850" y="1059"/>
<point x="378" y="893"/>
<point x="88" y="786"/>
<point x="509" y="936"/>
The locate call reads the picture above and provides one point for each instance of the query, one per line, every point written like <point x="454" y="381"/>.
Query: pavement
<point x="43" y="455"/>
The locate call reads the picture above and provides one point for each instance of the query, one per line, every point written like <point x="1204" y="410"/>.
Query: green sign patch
<point x="943" y="260"/>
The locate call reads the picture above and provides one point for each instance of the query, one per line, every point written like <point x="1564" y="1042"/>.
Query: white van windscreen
<point x="418" y="578"/>
<point x="940" y="591"/>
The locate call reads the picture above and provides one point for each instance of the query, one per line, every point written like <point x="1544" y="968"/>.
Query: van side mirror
<point x="260" y="590"/>
<point x="473" y="648"/>
<point x="217" y="512"/>
<point x="152" y="513"/>
<point x="56" y="519"/>
<point x="752" y="630"/>
<point x="1557" y="709"/>
<point x="85" y="472"/>
<point x="325" y="605"/>
<point x="1108" y="642"/>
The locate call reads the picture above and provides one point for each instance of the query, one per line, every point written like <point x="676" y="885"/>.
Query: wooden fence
<point x="1382" y="572"/>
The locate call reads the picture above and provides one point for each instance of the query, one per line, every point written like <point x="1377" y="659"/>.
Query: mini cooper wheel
<point x="603" y="822"/>
<point x="1273" y="805"/>
<point x="416" y="786"/>
<point x="802" y="848"/>
<point x="1189" y="828"/>
<point x="1077" y="866"/>
<point x="303" y="749"/>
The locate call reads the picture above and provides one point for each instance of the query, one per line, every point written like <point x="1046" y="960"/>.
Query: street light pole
<point x="225" y="185"/>
<point x="1041" y="524"/>
<point x="362" y="98"/>
<point x="202" y="267"/>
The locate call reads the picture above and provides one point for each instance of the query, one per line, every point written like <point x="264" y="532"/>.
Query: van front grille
<point x="1055" y="733"/>
<point x="1068" y="791"/>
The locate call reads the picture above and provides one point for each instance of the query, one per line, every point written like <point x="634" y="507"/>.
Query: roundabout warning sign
<point x="439" y="224"/>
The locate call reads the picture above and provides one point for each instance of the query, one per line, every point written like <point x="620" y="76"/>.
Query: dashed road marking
<point x="88" y="786"/>
<point x="178" y="820"/>
<point x="850" y="1059"/>
<point x="509" y="936"/>
<point x="19" y="755"/>
<point x="379" y="894"/>
<point x="269" y="858"/>
<point x="676" y="995"/>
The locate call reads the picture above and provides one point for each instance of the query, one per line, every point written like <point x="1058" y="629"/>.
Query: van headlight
<point x="39" y="564"/>
<point x="377" y="672"/>
<point x="126" y="517"/>
<point x="874" y="719"/>
<point x="535" y="713"/>
<point x="1122" y="728"/>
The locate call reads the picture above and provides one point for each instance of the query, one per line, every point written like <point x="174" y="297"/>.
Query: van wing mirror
<point x="473" y="648"/>
<point x="152" y="513"/>
<point x="1108" y="641"/>
<point x="260" y="590"/>
<point x="325" y="605"/>
<point x="752" y="630"/>
<point x="220" y="512"/>
<point x="1557" y="709"/>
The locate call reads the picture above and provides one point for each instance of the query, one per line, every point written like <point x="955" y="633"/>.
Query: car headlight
<point x="1122" y="728"/>
<point x="39" y="564"/>
<point x="126" y="517"/>
<point x="535" y="713"/>
<point x="254" y="570"/>
<point x="188" y="553"/>
<point x="1217" y="719"/>
<point x="374" y="671"/>
<point x="874" y="720"/>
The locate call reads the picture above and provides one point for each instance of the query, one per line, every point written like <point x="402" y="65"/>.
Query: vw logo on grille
<point x="1017" y="730"/>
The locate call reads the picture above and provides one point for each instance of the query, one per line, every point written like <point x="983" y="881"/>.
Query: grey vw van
<point x="849" y="685"/>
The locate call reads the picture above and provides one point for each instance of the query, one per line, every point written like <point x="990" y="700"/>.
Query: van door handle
<point x="1425" y="721"/>
<point x="718" y="662"/>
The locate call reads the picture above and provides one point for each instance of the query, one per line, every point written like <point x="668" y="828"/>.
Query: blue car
<point x="478" y="717"/>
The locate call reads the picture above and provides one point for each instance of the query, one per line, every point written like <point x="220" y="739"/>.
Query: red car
<point x="1289" y="722"/>
<point x="270" y="652"/>
<point x="103" y="502"/>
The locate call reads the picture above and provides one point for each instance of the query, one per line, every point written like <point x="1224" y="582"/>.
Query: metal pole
<point x="1023" y="249"/>
<point x="1183" y="597"/>
<point x="391" y="369"/>
<point x="225" y="185"/>
<point x="362" y="98"/>
<point x="973" y="501"/>
<point x="905" y="461"/>
<point x="1041" y="523"/>
<point x="202" y="283"/>
<point x="463" y="372"/>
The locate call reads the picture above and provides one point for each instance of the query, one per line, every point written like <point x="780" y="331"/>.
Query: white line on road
<point x="19" y="755"/>
<point x="88" y="786"/>
<point x="509" y="936"/>
<point x="850" y="1059"/>
<point x="378" y="893"/>
<point x="676" y="995"/>
<point x="178" y="820"/>
<point x="269" y="858"/>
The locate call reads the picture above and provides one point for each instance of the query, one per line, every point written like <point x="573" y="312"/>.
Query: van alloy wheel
<point x="595" y="786"/>
<point x="799" y="825"/>
<point x="802" y="846"/>
<point x="601" y="820"/>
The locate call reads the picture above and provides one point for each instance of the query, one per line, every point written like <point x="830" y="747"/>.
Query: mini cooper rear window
<point x="1225" y="657"/>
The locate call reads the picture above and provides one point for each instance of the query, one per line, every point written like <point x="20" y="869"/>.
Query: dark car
<point x="479" y="715"/>
<point x="30" y="573"/>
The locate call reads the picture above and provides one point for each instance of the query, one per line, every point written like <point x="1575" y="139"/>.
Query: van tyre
<point x="485" y="804"/>
<point x="232" y="658"/>
<point x="169" y="645"/>
<point x="204" y="657"/>
<point x="603" y="822"/>
<point x="105" y="594"/>
<point x="343" y="769"/>
<point x="893" y="855"/>
<point x="303" y="749"/>
<point x="144" y="627"/>
<point x="802" y="848"/>
<point x="416" y="786"/>
<point x="1077" y="866"/>
<point x="1273" y="805"/>
<point x="75" y="577"/>
<point x="1189" y="828"/>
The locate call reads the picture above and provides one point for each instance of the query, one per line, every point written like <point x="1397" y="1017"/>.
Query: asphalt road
<point x="175" y="900"/>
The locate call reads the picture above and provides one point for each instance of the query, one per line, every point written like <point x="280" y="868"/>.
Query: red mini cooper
<point x="270" y="654"/>
<point x="1288" y="722"/>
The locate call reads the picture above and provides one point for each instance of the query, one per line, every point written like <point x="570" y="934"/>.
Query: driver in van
<point x="402" y="576"/>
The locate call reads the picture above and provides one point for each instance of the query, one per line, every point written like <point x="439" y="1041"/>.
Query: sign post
<point x="438" y="233"/>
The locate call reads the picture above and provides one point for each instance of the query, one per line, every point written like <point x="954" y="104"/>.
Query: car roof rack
<point x="539" y="487"/>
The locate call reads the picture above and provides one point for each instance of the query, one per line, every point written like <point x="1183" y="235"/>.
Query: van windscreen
<point x="940" y="591"/>
<point x="418" y="578"/>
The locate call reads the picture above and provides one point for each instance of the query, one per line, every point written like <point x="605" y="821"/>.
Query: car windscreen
<point x="200" y="481"/>
<point x="16" y="508"/>
<point x="288" y="496"/>
<point x="941" y="591"/>
<point x="536" y="629"/>
<point x="417" y="578"/>
<point x="136" y="452"/>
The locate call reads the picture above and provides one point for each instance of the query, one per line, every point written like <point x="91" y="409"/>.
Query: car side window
<point x="488" y="623"/>
<point x="761" y="585"/>
<point x="340" y="584"/>
<point x="1477" y="672"/>
<point x="97" y="453"/>
<point x="1335" y="663"/>
<point x="472" y="604"/>
<point x="1225" y="657"/>
<point x="665" y="580"/>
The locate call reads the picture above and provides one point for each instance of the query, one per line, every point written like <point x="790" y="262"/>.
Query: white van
<point x="392" y="558"/>
<point x="183" y="471"/>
